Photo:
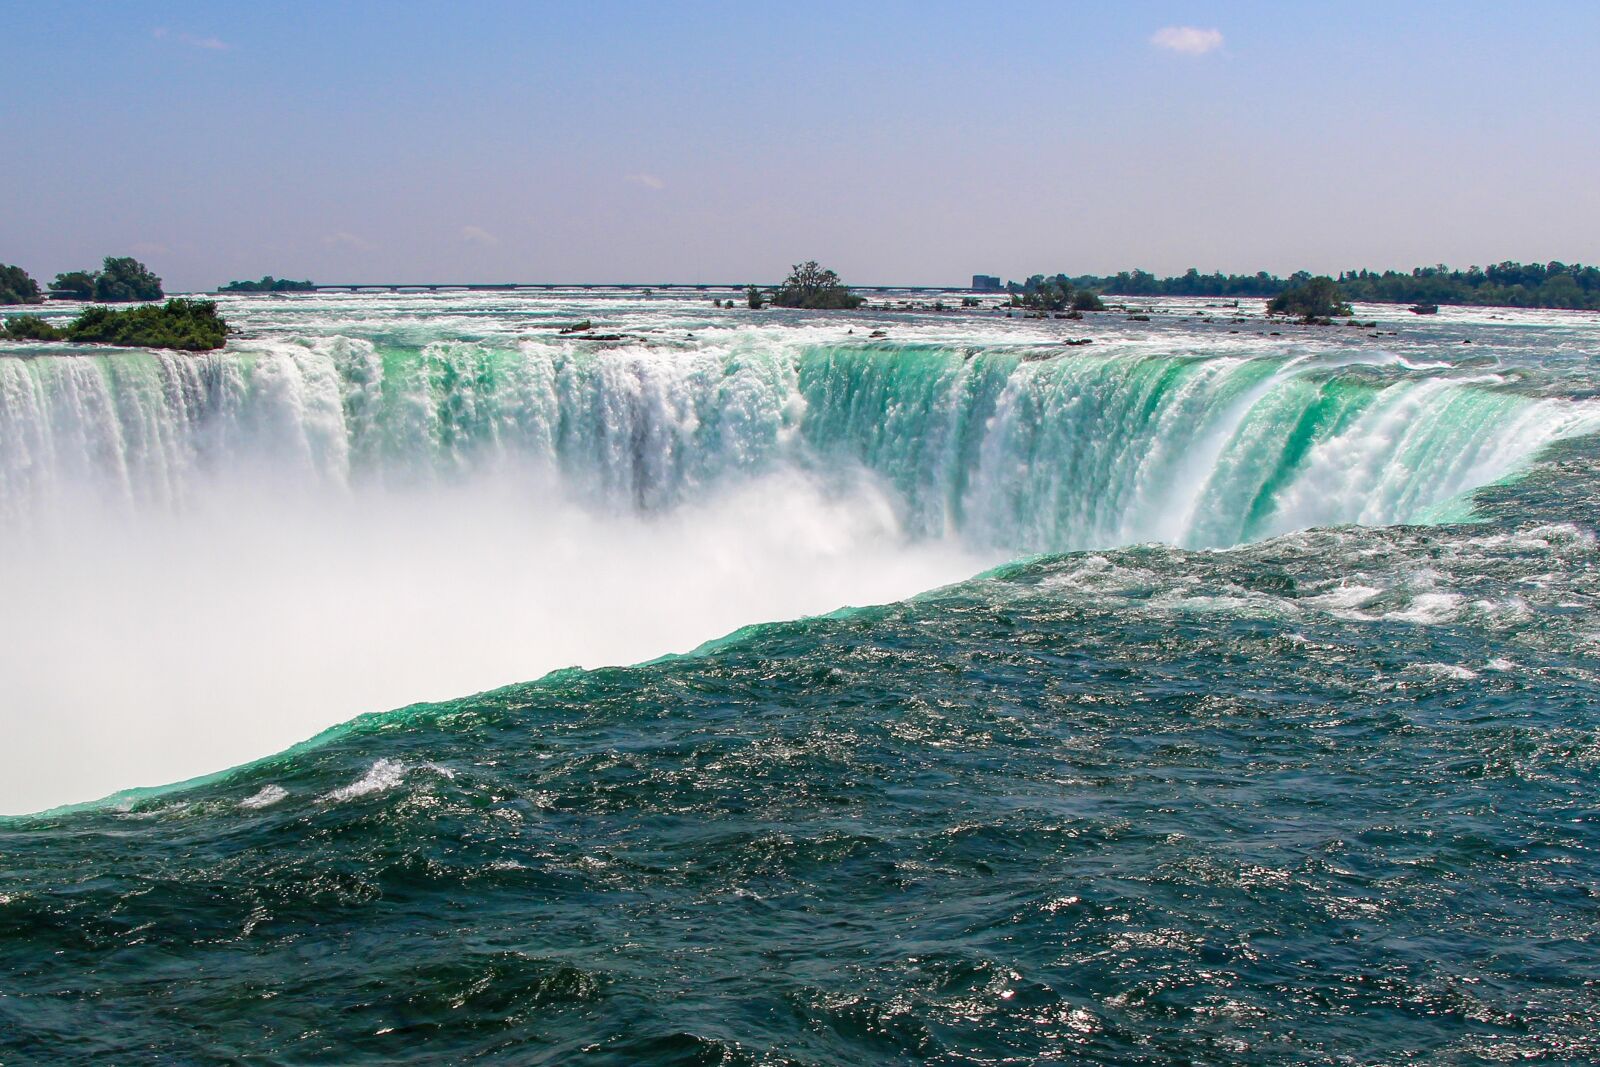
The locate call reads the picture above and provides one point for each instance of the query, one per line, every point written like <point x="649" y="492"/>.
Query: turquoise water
<point x="1255" y="753"/>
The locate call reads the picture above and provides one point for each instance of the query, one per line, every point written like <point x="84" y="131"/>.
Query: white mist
<point x="164" y="646"/>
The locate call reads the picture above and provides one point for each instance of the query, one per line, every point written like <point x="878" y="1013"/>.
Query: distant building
<point x="986" y="283"/>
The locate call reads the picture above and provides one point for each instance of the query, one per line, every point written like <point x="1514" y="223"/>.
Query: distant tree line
<point x="268" y="284"/>
<point x="1508" y="284"/>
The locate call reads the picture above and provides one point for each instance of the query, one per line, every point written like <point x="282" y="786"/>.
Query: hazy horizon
<point x="903" y="145"/>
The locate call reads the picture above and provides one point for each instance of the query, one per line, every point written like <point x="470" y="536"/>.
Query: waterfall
<point x="984" y="444"/>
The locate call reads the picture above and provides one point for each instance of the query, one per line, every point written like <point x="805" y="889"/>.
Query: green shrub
<point x="268" y="284"/>
<point x="30" y="328"/>
<point x="185" y="325"/>
<point x="1317" y="298"/>
<point x="1042" y="294"/>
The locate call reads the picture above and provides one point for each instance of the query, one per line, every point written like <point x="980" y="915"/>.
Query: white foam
<point x="268" y="796"/>
<point x="382" y="775"/>
<point x="1429" y="609"/>
<point x="1453" y="671"/>
<point x="1343" y="597"/>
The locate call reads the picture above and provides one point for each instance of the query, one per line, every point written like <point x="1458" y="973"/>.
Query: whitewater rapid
<point x="369" y="501"/>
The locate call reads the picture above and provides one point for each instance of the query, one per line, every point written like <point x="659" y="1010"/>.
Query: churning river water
<point x="912" y="687"/>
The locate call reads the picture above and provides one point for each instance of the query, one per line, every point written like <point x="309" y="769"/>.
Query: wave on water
<point x="1134" y="806"/>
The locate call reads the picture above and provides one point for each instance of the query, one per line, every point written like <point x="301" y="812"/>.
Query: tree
<point x="1315" y="298"/>
<point x="125" y="279"/>
<point x="810" y="286"/>
<point x="76" y="284"/>
<point x="17" y="286"/>
<point x="1087" y="300"/>
<point x="1043" y="294"/>
<point x="119" y="280"/>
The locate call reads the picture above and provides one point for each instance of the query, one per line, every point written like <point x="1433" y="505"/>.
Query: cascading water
<point x="982" y="444"/>
<point x="337" y="514"/>
<point x="1325" y="794"/>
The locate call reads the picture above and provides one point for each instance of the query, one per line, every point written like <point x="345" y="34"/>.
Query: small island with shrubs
<point x="808" y="286"/>
<point x="180" y="324"/>
<point x="1056" y="294"/>
<point x="1316" y="300"/>
<point x="269" y="284"/>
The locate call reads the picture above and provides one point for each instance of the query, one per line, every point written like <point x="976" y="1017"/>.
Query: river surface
<point x="910" y="687"/>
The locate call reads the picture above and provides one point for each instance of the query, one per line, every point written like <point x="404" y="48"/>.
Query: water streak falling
<point x="982" y="444"/>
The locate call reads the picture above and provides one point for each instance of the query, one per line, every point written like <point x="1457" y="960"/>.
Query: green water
<point x="1236" y="762"/>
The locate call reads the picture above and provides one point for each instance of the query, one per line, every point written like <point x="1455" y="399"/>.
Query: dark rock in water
<point x="1424" y="309"/>
<point x="588" y="336"/>
<point x="578" y="327"/>
<point x="1138" y="318"/>
<point x="1079" y="341"/>
<point x="1272" y="581"/>
<point x="878" y="333"/>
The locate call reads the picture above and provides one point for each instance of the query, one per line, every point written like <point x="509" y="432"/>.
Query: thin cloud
<point x="210" y="44"/>
<point x="648" y="181"/>
<point x="478" y="236"/>
<point x="345" y="239"/>
<point x="1188" y="40"/>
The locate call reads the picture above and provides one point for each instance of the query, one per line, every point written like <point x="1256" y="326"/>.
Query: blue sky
<point x="909" y="143"/>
